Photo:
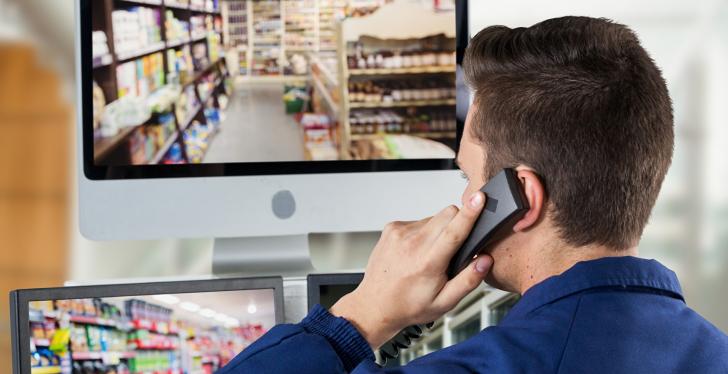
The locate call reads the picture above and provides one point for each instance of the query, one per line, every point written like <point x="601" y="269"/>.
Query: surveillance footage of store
<point x="235" y="81"/>
<point x="166" y="333"/>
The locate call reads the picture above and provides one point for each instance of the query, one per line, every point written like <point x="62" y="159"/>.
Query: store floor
<point x="257" y="128"/>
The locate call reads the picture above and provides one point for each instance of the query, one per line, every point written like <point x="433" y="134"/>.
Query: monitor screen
<point x="242" y="87"/>
<point x="327" y="289"/>
<point x="188" y="332"/>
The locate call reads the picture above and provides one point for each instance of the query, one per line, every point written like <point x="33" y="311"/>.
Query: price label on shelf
<point x="111" y="358"/>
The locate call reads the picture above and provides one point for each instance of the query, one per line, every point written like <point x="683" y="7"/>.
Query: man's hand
<point x="405" y="282"/>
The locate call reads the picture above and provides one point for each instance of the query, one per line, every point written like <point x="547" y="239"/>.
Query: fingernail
<point x="482" y="264"/>
<point x="476" y="200"/>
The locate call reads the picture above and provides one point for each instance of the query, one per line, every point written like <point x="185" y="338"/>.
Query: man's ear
<point x="536" y="196"/>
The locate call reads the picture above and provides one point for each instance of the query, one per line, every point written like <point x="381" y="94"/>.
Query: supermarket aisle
<point x="256" y="128"/>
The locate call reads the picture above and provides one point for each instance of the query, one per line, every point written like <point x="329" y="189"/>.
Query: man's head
<point x="581" y="109"/>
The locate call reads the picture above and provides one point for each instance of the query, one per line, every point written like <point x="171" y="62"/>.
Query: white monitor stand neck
<point x="286" y="256"/>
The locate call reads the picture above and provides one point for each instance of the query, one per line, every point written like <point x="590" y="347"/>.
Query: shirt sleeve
<point x="321" y="343"/>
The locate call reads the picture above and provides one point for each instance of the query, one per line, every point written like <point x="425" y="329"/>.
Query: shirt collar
<point x="624" y="271"/>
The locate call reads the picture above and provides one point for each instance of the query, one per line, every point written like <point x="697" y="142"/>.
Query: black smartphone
<point x="505" y="204"/>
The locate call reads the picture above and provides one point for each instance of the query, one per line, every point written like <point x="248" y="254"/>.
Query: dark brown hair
<point x="581" y="102"/>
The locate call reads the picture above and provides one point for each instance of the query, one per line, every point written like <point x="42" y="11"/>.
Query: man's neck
<point x="551" y="260"/>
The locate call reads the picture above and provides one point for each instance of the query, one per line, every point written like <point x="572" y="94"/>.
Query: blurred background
<point x="41" y="245"/>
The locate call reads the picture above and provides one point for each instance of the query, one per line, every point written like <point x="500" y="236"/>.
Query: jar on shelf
<point x="407" y="60"/>
<point x="443" y="58"/>
<point x="397" y="92"/>
<point x="417" y="59"/>
<point x="429" y="58"/>
<point x="379" y="61"/>
<point x="371" y="62"/>
<point x="396" y="60"/>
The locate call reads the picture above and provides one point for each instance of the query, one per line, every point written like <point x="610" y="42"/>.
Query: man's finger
<point x="439" y="221"/>
<point x="463" y="283"/>
<point x="453" y="235"/>
<point x="422" y="222"/>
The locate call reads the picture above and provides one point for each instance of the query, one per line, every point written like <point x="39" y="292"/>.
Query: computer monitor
<point x="238" y="119"/>
<point x="171" y="327"/>
<point x="327" y="289"/>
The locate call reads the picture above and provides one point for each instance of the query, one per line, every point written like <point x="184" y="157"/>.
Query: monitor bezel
<point x="92" y="171"/>
<point x="315" y="281"/>
<point x="20" y="299"/>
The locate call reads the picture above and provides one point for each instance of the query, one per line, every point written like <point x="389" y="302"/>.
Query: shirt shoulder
<point x="530" y="343"/>
<point x="620" y="331"/>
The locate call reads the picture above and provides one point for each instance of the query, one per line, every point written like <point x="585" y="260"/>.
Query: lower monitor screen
<point x="170" y="333"/>
<point x="219" y="82"/>
<point x="330" y="294"/>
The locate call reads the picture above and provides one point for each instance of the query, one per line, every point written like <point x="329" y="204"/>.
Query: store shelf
<point x="80" y="356"/>
<point x="429" y="135"/>
<point x="204" y="10"/>
<point x="400" y="71"/>
<point x="104" y="146"/>
<point x="326" y="95"/>
<point x="101" y="61"/>
<point x="46" y="370"/>
<point x="151" y="326"/>
<point x="156" y="47"/>
<point x="93" y="321"/>
<point x="300" y="49"/>
<point x="191" y="117"/>
<point x="327" y="74"/>
<point x="199" y="36"/>
<point x="271" y="78"/>
<point x="177" y="43"/>
<point x="175" y="5"/>
<point x="202" y="73"/>
<point x="402" y="104"/>
<point x="162" y="152"/>
<point x="151" y="347"/>
<point x="143" y="2"/>
<point x="41" y="342"/>
<point x="40" y="316"/>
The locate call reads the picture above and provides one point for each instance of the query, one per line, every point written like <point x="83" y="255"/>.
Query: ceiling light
<point x="190" y="307"/>
<point x="252" y="308"/>
<point x="232" y="322"/>
<point x="167" y="299"/>
<point x="220" y="317"/>
<point x="207" y="313"/>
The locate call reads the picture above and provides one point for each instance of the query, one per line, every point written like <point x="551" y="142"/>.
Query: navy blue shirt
<point x="611" y="315"/>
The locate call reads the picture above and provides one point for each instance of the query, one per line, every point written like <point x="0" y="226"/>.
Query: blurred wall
<point x="36" y="128"/>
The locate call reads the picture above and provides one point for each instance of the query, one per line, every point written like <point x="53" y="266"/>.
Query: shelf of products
<point x="137" y="31"/>
<point x="266" y="44"/>
<point x="237" y="32"/>
<point x="404" y="70"/>
<point x="421" y="122"/>
<point x="300" y="25"/>
<point x="46" y="370"/>
<point x="274" y="38"/>
<point x="129" y="335"/>
<point x="329" y="12"/>
<point x="376" y="87"/>
<point x="160" y="49"/>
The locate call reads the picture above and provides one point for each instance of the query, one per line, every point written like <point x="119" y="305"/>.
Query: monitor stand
<point x="286" y="256"/>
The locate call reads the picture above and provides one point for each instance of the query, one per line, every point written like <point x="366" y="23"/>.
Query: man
<point x="580" y="110"/>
